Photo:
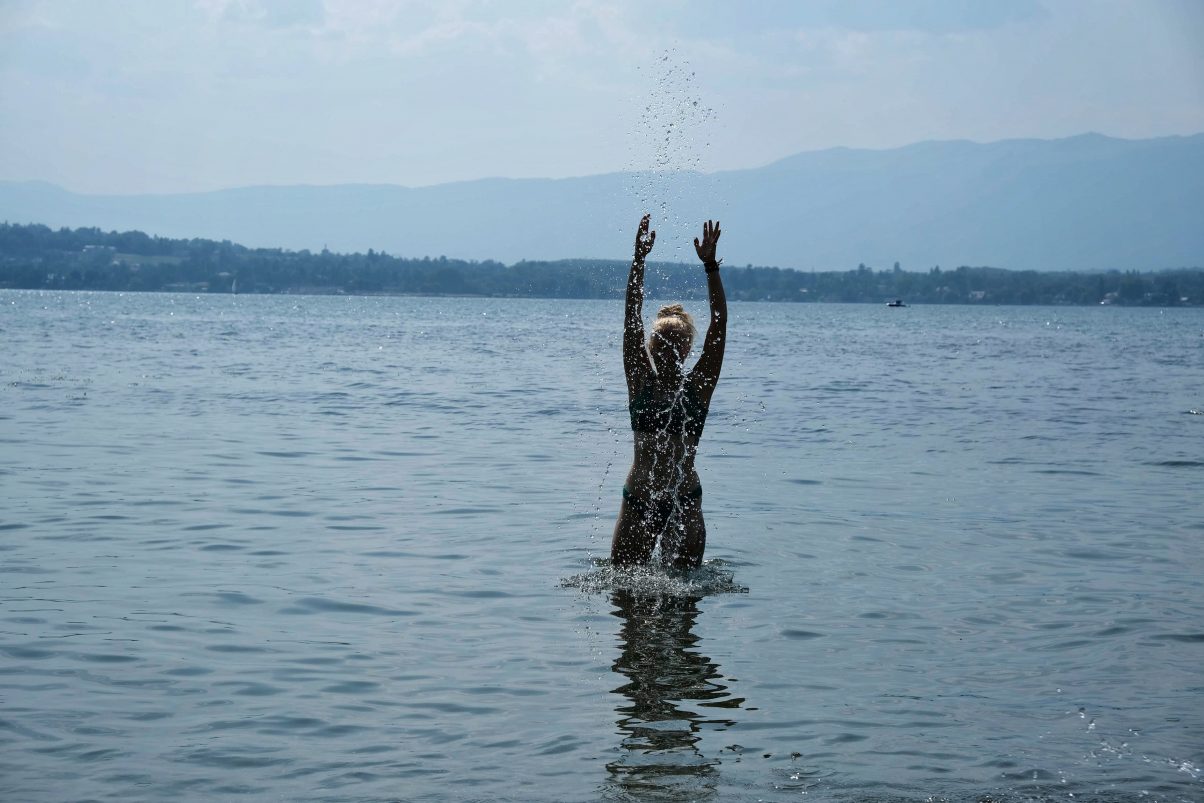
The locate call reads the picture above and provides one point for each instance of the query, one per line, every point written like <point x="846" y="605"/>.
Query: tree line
<point x="38" y="257"/>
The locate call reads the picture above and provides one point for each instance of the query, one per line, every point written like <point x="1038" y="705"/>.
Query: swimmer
<point x="662" y="498"/>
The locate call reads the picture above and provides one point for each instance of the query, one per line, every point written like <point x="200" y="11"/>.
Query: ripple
<point x="800" y="634"/>
<point x="236" y="648"/>
<point x="312" y="605"/>
<point x="352" y="687"/>
<point x="235" y="757"/>
<point x="235" y="598"/>
<point x="1186" y="638"/>
<point x="1067" y="472"/>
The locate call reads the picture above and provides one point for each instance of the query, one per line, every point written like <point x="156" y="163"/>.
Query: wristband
<point x="711" y="267"/>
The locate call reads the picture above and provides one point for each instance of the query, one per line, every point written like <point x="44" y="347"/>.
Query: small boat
<point x="898" y="302"/>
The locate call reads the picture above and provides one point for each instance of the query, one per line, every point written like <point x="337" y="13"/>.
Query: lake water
<point x="347" y="549"/>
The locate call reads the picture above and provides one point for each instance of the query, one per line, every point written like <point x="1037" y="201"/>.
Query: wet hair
<point x="673" y="319"/>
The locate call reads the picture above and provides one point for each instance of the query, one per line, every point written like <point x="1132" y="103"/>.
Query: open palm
<point x="710" y="238"/>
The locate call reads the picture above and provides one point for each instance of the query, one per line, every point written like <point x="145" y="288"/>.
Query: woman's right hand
<point x="644" y="238"/>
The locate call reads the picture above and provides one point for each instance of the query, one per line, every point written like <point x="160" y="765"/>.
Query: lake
<point x="350" y="549"/>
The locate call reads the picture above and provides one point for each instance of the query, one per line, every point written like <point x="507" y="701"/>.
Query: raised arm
<point x="635" y="357"/>
<point x="706" y="371"/>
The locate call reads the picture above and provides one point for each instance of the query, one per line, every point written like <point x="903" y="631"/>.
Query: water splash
<point x="710" y="578"/>
<point x="1114" y="750"/>
<point x="667" y="142"/>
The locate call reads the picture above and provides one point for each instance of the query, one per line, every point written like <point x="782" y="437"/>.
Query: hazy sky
<point x="119" y="96"/>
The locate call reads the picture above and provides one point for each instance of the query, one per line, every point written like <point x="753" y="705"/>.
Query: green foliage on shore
<point x="38" y="257"/>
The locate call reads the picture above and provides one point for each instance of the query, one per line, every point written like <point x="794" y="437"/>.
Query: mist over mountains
<point x="1083" y="203"/>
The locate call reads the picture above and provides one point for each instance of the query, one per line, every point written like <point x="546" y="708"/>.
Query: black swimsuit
<point x="685" y="413"/>
<point x="657" y="512"/>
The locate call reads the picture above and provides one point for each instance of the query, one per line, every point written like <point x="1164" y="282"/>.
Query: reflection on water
<point x="667" y="690"/>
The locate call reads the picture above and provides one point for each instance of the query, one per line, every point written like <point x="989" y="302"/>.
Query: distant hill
<point x="1084" y="203"/>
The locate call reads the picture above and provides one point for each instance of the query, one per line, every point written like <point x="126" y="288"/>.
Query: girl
<point x="662" y="498"/>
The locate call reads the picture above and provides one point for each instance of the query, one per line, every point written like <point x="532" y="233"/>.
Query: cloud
<point x="266" y="13"/>
<point x="226" y="92"/>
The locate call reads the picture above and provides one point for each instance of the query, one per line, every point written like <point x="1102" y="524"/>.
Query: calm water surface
<point x="327" y="548"/>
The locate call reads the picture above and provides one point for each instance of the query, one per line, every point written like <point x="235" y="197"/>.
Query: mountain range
<point x="1087" y="202"/>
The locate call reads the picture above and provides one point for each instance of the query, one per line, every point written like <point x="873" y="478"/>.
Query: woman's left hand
<point x="710" y="238"/>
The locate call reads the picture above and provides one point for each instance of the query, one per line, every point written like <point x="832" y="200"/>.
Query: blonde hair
<point x="673" y="318"/>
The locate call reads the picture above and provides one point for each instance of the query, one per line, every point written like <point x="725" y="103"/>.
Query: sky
<point x="164" y="96"/>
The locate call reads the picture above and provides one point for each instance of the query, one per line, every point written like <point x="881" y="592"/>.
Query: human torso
<point x="667" y="419"/>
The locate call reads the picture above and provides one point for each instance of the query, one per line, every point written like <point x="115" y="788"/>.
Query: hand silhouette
<point x="710" y="238"/>
<point x="644" y="238"/>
